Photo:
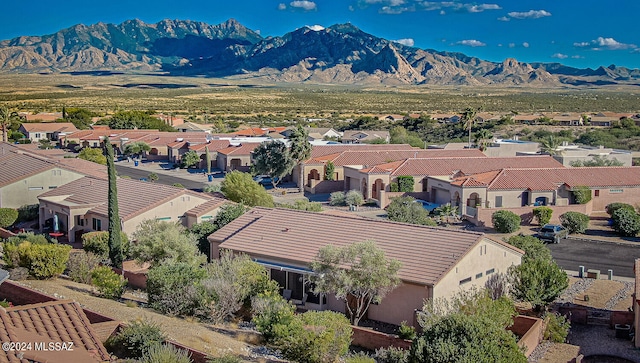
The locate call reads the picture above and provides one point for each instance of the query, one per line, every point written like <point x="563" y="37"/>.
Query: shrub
<point x="392" y="355"/>
<point x="612" y="207"/>
<point x="43" y="261"/>
<point x="98" y="243"/>
<point x="406" y="332"/>
<point x="405" y="183"/>
<point x="28" y="212"/>
<point x="178" y="185"/>
<point x="29" y="237"/>
<point x="166" y="353"/>
<point x="542" y="215"/>
<point x="354" y="197"/>
<point x="270" y="311"/>
<point x="582" y="194"/>
<point x="8" y="216"/>
<point x="225" y="359"/>
<point x="176" y="289"/>
<point x="109" y="284"/>
<point x="557" y="328"/>
<point x="80" y="266"/>
<point x="135" y="339"/>
<point x="302" y="204"/>
<point x="316" y="337"/>
<point x="337" y="198"/>
<point x="505" y="221"/>
<point x="394" y="187"/>
<point x="575" y="222"/>
<point x="626" y="222"/>
<point x="359" y="357"/>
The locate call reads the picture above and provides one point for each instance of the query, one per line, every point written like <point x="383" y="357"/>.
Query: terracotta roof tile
<point x="321" y="150"/>
<point x="377" y="157"/>
<point x="242" y="149"/>
<point x="447" y="166"/>
<point x="550" y="178"/>
<point x="49" y="127"/>
<point x="207" y="207"/>
<point x="426" y="253"/>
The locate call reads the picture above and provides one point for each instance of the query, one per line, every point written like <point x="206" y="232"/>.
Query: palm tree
<point x="469" y="118"/>
<point x="300" y="151"/>
<point x="5" y="121"/>
<point x="483" y="136"/>
<point x="549" y="145"/>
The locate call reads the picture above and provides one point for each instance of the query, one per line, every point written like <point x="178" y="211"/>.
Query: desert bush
<point x="98" y="243"/>
<point x="497" y="285"/>
<point x="28" y="212"/>
<point x="8" y="216"/>
<point x="109" y="284"/>
<point x="135" y="339"/>
<point x="392" y="355"/>
<point x="557" y="328"/>
<point x="542" y="215"/>
<point x="43" y="261"/>
<point x="166" y="353"/>
<point x="270" y="310"/>
<point x="626" y="222"/>
<point x="337" y="198"/>
<point x="29" y="237"/>
<point x="80" y="266"/>
<point x="406" y="332"/>
<point x="575" y="222"/>
<point x="354" y="197"/>
<point x="505" y="221"/>
<point x="612" y="207"/>
<point x="176" y="289"/>
<point x="359" y="357"/>
<point x="302" y="204"/>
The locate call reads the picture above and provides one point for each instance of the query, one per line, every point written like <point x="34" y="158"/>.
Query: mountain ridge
<point x="341" y="53"/>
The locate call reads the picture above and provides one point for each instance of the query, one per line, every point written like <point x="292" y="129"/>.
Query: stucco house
<point x="46" y="130"/>
<point x="571" y="153"/>
<point x="25" y="176"/>
<point x="236" y="157"/>
<point x="82" y="206"/>
<point x="436" y="262"/>
<point x="521" y="189"/>
<point x="365" y="136"/>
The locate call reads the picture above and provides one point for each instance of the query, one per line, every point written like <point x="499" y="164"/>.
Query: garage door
<point x="442" y="196"/>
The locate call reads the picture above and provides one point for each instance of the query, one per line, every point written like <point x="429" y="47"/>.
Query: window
<point x="36" y="188"/>
<point x="616" y="191"/>
<point x="479" y="276"/>
<point x="483" y="250"/>
<point x="163" y="219"/>
<point x="498" y="201"/>
<point x="462" y="282"/>
<point x="206" y="217"/>
<point x="79" y="221"/>
<point x="97" y="224"/>
<point x="490" y="271"/>
<point x="596" y="192"/>
<point x="52" y="186"/>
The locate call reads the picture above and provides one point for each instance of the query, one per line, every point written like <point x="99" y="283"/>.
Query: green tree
<point x="359" y="274"/>
<point x="98" y="243"/>
<point x="116" y="254"/>
<point x="137" y="120"/>
<point x="505" y="221"/>
<point x="582" y="194"/>
<point x="80" y="117"/>
<point x="5" y="121"/>
<point x="8" y="216"/>
<point x="189" y="159"/>
<point x="469" y="119"/>
<point x="208" y="159"/>
<point x="407" y="210"/>
<point x="533" y="247"/>
<point x="538" y="281"/>
<point x="549" y="145"/>
<point x="575" y="222"/>
<point x="329" y="171"/>
<point x="483" y="138"/>
<point x="241" y="188"/>
<point x="160" y="242"/>
<point x="136" y="149"/>
<point x="93" y="154"/>
<point x="300" y="150"/>
<point x="612" y="207"/>
<point x="626" y="222"/>
<point x="273" y="159"/>
<point x="354" y="197"/>
<point x="597" y="160"/>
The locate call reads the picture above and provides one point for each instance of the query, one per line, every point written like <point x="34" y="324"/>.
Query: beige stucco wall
<point x="484" y="256"/>
<point x="18" y="194"/>
<point x="400" y="304"/>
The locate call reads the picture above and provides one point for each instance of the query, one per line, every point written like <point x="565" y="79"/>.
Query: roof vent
<point x="179" y="139"/>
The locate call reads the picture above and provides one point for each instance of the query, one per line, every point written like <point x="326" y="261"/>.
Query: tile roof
<point x="426" y="253"/>
<point x="448" y="165"/>
<point x="49" y="127"/>
<point x="134" y="196"/>
<point x="550" y="178"/>
<point x="214" y="145"/>
<point x="257" y="131"/>
<point x="322" y="150"/>
<point x="54" y="321"/>
<point x="369" y="134"/>
<point x="371" y="158"/>
<point x="242" y="149"/>
<point x="207" y="207"/>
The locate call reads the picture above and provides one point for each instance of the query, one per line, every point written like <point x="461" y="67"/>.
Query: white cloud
<point x="577" y="57"/>
<point x="531" y="14"/>
<point x="605" y="43"/>
<point x="400" y="6"/>
<point x="504" y="18"/>
<point x="316" y="27"/>
<point x="512" y="45"/>
<point x="304" y="4"/>
<point x="282" y="6"/>
<point x="559" y="56"/>
<point x="471" y="43"/>
<point x="525" y="44"/>
<point x="442" y="12"/>
<point x="396" y="10"/>
<point x="405" y="41"/>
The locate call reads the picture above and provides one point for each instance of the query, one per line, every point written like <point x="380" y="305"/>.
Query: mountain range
<point x="341" y="53"/>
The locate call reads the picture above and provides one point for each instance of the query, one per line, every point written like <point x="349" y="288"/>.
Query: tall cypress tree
<point x="115" y="242"/>
<point x="208" y="157"/>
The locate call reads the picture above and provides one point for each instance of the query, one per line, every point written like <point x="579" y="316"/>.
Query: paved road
<point x="137" y="173"/>
<point x="571" y="253"/>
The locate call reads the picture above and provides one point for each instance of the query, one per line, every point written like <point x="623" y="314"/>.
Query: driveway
<point x="571" y="253"/>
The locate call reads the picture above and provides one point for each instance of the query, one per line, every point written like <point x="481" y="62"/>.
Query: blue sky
<point x="584" y="33"/>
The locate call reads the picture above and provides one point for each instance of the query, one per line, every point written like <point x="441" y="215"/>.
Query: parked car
<point x="552" y="232"/>
<point x="264" y="180"/>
